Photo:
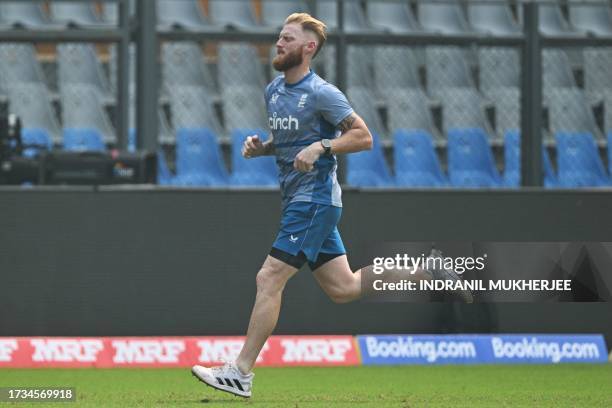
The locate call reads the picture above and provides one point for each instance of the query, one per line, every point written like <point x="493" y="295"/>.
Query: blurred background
<point x="492" y="122"/>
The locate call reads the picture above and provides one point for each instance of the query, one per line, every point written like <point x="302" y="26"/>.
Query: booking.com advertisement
<point x="482" y="349"/>
<point x="486" y="271"/>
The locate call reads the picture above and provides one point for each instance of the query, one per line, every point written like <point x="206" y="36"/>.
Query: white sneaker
<point x="225" y="378"/>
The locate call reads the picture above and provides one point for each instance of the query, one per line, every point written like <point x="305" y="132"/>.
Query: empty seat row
<point x="495" y="18"/>
<point x="471" y="163"/>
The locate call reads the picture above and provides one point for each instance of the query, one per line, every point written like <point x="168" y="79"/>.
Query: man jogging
<point x="311" y="121"/>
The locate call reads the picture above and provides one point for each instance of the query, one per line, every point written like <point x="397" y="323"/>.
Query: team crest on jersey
<point x="274" y="98"/>
<point x="302" y="101"/>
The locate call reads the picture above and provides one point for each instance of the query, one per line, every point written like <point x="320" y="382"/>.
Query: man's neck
<point x="295" y="74"/>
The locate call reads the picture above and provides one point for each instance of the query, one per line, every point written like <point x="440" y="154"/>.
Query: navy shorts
<point x="308" y="232"/>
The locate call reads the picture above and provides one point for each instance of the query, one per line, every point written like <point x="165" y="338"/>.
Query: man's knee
<point x="271" y="278"/>
<point x="340" y="294"/>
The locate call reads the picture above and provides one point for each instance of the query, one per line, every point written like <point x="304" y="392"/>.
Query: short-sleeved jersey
<point x="298" y="115"/>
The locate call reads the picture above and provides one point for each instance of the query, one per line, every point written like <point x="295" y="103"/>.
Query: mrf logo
<point x="147" y="351"/>
<point x="216" y="351"/>
<point x="7" y="348"/>
<point x="66" y="350"/>
<point x="315" y="350"/>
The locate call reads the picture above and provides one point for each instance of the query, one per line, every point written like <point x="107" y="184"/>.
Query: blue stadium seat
<point x="578" y="161"/>
<point x="198" y="159"/>
<point x="416" y="163"/>
<point x="83" y="139"/>
<point x="470" y="160"/>
<point x="369" y="168"/>
<point x="34" y="141"/>
<point x="512" y="159"/>
<point x="260" y="171"/>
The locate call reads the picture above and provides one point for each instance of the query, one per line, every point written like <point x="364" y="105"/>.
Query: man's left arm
<point x="355" y="137"/>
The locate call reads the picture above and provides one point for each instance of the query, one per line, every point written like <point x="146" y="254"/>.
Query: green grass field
<point x="407" y="386"/>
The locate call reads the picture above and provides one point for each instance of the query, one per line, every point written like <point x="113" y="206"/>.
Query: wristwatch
<point x="326" y="143"/>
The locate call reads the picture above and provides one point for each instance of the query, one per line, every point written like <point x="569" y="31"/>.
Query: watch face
<point x="326" y="143"/>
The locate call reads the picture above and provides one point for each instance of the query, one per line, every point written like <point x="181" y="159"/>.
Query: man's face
<point x="290" y="47"/>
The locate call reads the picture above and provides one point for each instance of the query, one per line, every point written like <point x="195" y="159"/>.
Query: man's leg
<point x="271" y="280"/>
<point x="342" y="285"/>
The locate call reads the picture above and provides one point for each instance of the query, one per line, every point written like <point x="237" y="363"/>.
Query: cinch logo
<point x="148" y="351"/>
<point x="7" y="347"/>
<point x="216" y="351"/>
<point x="315" y="351"/>
<point x="279" y="123"/>
<point x="66" y="350"/>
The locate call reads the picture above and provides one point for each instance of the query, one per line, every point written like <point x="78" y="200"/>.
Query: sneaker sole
<point x="220" y="387"/>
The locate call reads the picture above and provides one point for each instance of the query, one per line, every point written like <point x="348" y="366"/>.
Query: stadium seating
<point x="395" y="67"/>
<point x="35" y="141"/>
<point x="447" y="67"/>
<point x="244" y="108"/>
<point x="183" y="64"/>
<point x="32" y="103"/>
<point x="274" y="12"/>
<point x="181" y="15"/>
<point x="570" y="112"/>
<point x="198" y="159"/>
<point x="594" y="19"/>
<point x="363" y="102"/>
<point x="110" y="11"/>
<point x="552" y="22"/>
<point x="391" y="16"/>
<point x="470" y="160"/>
<point x="82" y="108"/>
<point x="442" y="18"/>
<point x="192" y="107"/>
<point x="354" y="18"/>
<point x="238" y="64"/>
<point x="369" y="168"/>
<point x="233" y="15"/>
<point x="556" y="70"/>
<point x="492" y="18"/>
<point x="257" y="172"/>
<point x="416" y="162"/>
<point x="462" y="108"/>
<point x="597" y="72"/>
<point x="578" y="161"/>
<point x="76" y="15"/>
<point x="359" y="70"/>
<point x="408" y="109"/>
<point x="507" y="109"/>
<point x="498" y="67"/>
<point x="512" y="162"/>
<point x="24" y="14"/>
<point x="83" y="139"/>
<point x="18" y="64"/>
<point x="78" y="64"/>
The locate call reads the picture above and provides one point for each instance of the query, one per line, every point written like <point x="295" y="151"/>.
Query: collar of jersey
<point x="308" y="75"/>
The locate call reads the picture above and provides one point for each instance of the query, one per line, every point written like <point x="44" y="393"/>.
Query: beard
<point x="287" y="61"/>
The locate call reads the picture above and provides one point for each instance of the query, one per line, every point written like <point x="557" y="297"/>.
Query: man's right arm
<point x="254" y="147"/>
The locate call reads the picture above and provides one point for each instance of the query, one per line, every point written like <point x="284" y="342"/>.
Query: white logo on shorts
<point x="293" y="239"/>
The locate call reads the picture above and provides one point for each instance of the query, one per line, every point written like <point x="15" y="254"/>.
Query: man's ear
<point x="312" y="46"/>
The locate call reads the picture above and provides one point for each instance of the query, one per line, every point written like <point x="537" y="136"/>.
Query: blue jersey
<point x="298" y="115"/>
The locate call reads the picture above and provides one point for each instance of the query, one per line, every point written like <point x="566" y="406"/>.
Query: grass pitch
<point x="399" y="386"/>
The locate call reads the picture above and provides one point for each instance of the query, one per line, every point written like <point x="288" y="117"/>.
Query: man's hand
<point x="305" y="159"/>
<point x="253" y="147"/>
